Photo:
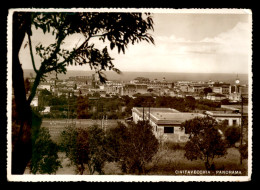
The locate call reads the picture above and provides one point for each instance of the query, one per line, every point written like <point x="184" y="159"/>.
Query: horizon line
<point x="157" y="72"/>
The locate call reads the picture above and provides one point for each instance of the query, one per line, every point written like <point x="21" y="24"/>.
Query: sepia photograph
<point x="132" y="95"/>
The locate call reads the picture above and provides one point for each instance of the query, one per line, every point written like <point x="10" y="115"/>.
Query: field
<point x="174" y="161"/>
<point x="56" y="126"/>
<point x="169" y="160"/>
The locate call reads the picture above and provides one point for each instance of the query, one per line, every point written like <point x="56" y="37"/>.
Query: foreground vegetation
<point x="133" y="149"/>
<point x="165" y="162"/>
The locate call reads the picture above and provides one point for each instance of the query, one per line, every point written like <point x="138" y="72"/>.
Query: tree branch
<point x="55" y="67"/>
<point x="100" y="35"/>
<point x="31" y="53"/>
<point x="35" y="85"/>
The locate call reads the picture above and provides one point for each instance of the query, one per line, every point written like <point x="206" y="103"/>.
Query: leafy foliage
<point x="84" y="148"/>
<point x="117" y="107"/>
<point x="118" y="29"/>
<point x="134" y="146"/>
<point x="205" y="141"/>
<point x="207" y="90"/>
<point x="75" y="149"/>
<point x="232" y="135"/>
<point x="97" y="151"/>
<point x="115" y="137"/>
<point x="44" y="154"/>
<point x="82" y="107"/>
<point x="190" y="102"/>
<point x="243" y="149"/>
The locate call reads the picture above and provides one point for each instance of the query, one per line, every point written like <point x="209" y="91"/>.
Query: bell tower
<point x="237" y="81"/>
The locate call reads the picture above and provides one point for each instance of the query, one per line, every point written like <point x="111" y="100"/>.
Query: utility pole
<point x="102" y="117"/>
<point x="68" y="108"/>
<point x="143" y="113"/>
<point x="149" y="112"/>
<point x="241" y="132"/>
<point x="95" y="99"/>
<point x="106" y="124"/>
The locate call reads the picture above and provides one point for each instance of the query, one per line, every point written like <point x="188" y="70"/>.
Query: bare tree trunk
<point x="82" y="168"/>
<point x="22" y="148"/>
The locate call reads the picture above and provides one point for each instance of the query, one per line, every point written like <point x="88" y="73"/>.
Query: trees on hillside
<point x="207" y="90"/>
<point x="118" y="29"/>
<point x="205" y="141"/>
<point x="190" y="102"/>
<point x="82" y="107"/>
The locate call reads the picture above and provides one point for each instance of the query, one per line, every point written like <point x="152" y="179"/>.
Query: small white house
<point x="216" y="96"/>
<point x="35" y="102"/>
<point x="166" y="122"/>
<point x="232" y="118"/>
<point x="45" y="86"/>
<point x="168" y="125"/>
<point x="46" y="110"/>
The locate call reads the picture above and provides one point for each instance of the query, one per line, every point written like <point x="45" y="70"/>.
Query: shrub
<point x="243" y="149"/>
<point x="173" y="145"/>
<point x="44" y="154"/>
<point x="232" y="135"/>
<point x="205" y="141"/>
<point x="84" y="148"/>
<point x="133" y="146"/>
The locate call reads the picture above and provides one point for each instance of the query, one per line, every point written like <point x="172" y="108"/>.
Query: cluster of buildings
<point x="166" y="122"/>
<point x="216" y="91"/>
<point x="85" y="85"/>
<point x="139" y="86"/>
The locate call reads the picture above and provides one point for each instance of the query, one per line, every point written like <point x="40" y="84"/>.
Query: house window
<point x="168" y="130"/>
<point x="234" y="122"/>
<point x="186" y="131"/>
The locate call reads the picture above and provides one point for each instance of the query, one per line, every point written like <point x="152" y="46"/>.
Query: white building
<point x="232" y="118"/>
<point x="47" y="109"/>
<point x="35" y="102"/>
<point x="216" y="96"/>
<point x="45" y="86"/>
<point x="166" y="122"/>
<point x="140" y="113"/>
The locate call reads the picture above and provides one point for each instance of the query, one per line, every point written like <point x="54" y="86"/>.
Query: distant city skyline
<point x="188" y="43"/>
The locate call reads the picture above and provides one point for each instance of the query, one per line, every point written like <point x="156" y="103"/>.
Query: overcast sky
<point x="199" y="43"/>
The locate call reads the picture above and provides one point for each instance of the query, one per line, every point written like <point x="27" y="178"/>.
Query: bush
<point x="133" y="146"/>
<point x="44" y="154"/>
<point x="232" y="135"/>
<point x="84" y="148"/>
<point x="205" y="141"/>
<point x="74" y="142"/>
<point x="174" y="145"/>
<point x="243" y="149"/>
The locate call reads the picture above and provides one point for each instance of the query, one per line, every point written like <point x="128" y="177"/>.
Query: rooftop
<point x="236" y="107"/>
<point x="223" y="113"/>
<point x="173" y="118"/>
<point x="216" y="94"/>
<point x="152" y="109"/>
<point x="221" y="85"/>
